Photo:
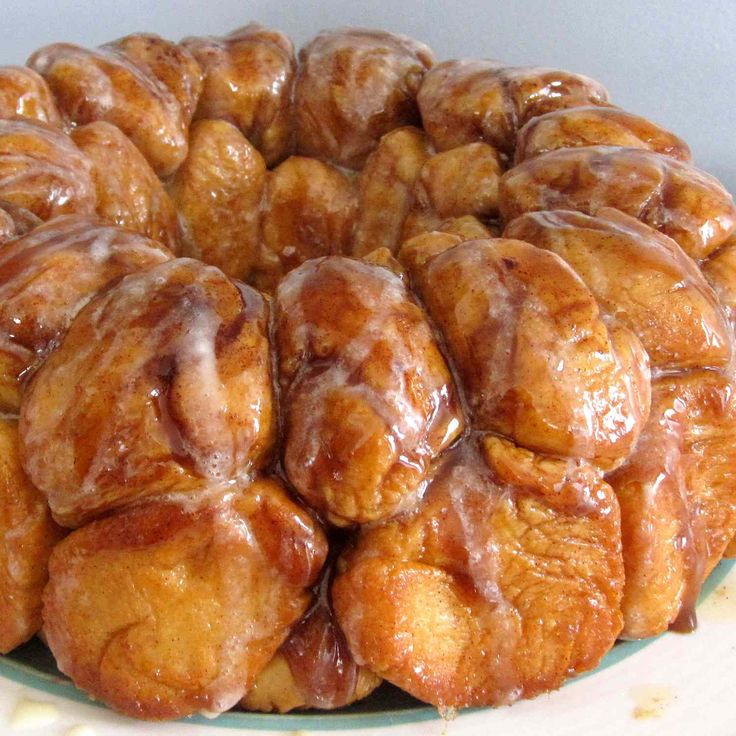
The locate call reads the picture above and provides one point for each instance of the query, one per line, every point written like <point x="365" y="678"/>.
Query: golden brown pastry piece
<point x="642" y="278"/>
<point x="46" y="277"/>
<point x="43" y="171"/>
<point x="384" y="258"/>
<point x="537" y="361"/>
<point x="504" y="582"/>
<point x="116" y="84"/>
<point x="469" y="228"/>
<point x="367" y="398"/>
<point x="218" y="192"/>
<point x="161" y="384"/>
<point x="678" y="500"/>
<point x="169" y="63"/>
<point x="671" y="196"/>
<point x="28" y="535"/>
<point x="15" y="221"/>
<point x="596" y="126"/>
<point x="456" y="183"/>
<point x="166" y="610"/>
<point x="314" y="668"/>
<point x="468" y="100"/>
<point x="447" y="233"/>
<point x="720" y="271"/>
<point x="708" y="438"/>
<point x="249" y="80"/>
<point x="309" y="211"/>
<point x="419" y="250"/>
<point x="128" y="191"/>
<point x="353" y="86"/>
<point x="25" y="94"/>
<point x="386" y="190"/>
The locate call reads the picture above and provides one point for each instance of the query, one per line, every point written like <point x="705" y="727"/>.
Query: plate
<point x="674" y="684"/>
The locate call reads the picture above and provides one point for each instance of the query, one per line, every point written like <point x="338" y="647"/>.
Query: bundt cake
<point x="330" y="369"/>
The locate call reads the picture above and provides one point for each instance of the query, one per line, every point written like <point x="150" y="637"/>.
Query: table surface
<point x="671" y="60"/>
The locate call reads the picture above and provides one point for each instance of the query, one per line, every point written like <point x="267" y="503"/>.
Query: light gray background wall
<point x="671" y="60"/>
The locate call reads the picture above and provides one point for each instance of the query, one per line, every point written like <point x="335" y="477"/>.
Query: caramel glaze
<point x="468" y="100"/>
<point x="367" y="399"/>
<point x="162" y="384"/>
<point x="595" y="126"/>
<point x="169" y="63"/>
<point x="387" y="189"/>
<point x="537" y="361"/>
<point x="116" y="84"/>
<point x="354" y="85"/>
<point x="25" y="94"/>
<point x="46" y="278"/>
<point x="28" y="535"/>
<point x="647" y="282"/>
<point x="671" y="196"/>
<point x="720" y="271"/>
<point x="218" y="192"/>
<point x="480" y="595"/>
<point x="249" y="81"/>
<point x="318" y="654"/>
<point x="128" y="191"/>
<point x="15" y="221"/>
<point x="678" y="504"/>
<point x="41" y="170"/>
<point x="642" y="278"/>
<point x="452" y="184"/>
<point x="309" y="210"/>
<point x="184" y="604"/>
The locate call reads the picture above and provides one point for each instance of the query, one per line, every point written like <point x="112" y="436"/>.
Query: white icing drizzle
<point x="377" y="75"/>
<point x="502" y="332"/>
<point x="171" y="420"/>
<point x="642" y="279"/>
<point x="47" y="276"/>
<point x="671" y="196"/>
<point x="466" y="100"/>
<point x="42" y="170"/>
<point x="310" y="375"/>
<point x="107" y="85"/>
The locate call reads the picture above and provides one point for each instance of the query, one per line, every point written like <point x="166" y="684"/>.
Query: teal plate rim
<point x="29" y="676"/>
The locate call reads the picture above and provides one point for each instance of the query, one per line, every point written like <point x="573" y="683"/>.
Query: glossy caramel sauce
<point x="318" y="654"/>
